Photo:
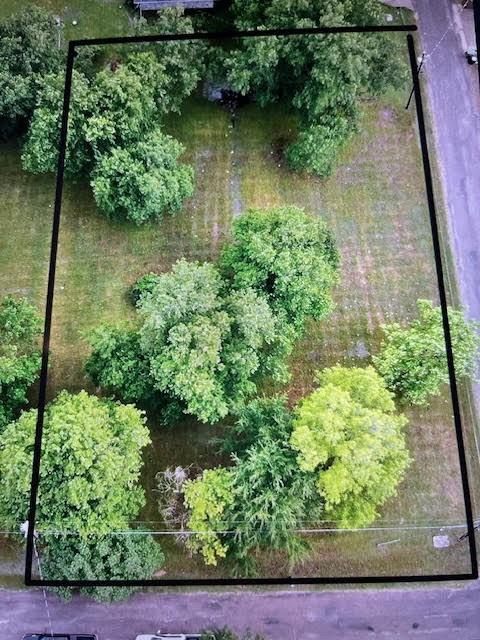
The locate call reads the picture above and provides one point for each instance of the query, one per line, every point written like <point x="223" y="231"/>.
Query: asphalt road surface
<point x="436" y="614"/>
<point x="454" y="95"/>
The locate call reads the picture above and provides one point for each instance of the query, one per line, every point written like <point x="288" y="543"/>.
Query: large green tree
<point x="142" y="181"/>
<point x="286" y="255"/>
<point x="115" y="556"/>
<point x="28" y="51"/>
<point x="40" y="151"/>
<point x="183" y="61"/>
<point x="114" y="134"/>
<point x="206" y="347"/>
<point x="348" y="433"/>
<point x="273" y="497"/>
<point x="413" y="359"/>
<point x="321" y="77"/>
<point x="19" y="355"/>
<point x="90" y="467"/>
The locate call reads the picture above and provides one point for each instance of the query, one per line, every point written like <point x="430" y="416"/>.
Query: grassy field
<point x="375" y="203"/>
<point x="376" y="206"/>
<point x="95" y="18"/>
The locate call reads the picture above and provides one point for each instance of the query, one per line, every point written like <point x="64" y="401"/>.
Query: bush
<point x="142" y="182"/>
<point x="142" y="287"/>
<point x="110" y="557"/>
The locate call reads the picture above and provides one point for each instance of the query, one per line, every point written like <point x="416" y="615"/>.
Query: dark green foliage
<point x="19" y="355"/>
<point x="40" y="151"/>
<point x="142" y="181"/>
<point x="182" y="60"/>
<point x="117" y="364"/>
<point x="142" y="287"/>
<point x="317" y="146"/>
<point x="127" y="100"/>
<point x="262" y="499"/>
<point x="225" y="633"/>
<point x="272" y="496"/>
<point x="286" y="255"/>
<point x="413" y="359"/>
<point x="111" y="557"/>
<point x="28" y="52"/>
<point x="114" y="134"/>
<point x="322" y="77"/>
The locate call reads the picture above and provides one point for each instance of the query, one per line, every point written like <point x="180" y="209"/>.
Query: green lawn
<point x="95" y="18"/>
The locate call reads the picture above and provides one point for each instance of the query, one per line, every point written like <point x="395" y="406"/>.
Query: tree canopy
<point x="321" y="77"/>
<point x="109" y="557"/>
<point x="115" y="135"/>
<point x="413" y="359"/>
<point x="260" y="501"/>
<point x="206" y="347"/>
<point x="40" y="151"/>
<point x="183" y="61"/>
<point x="91" y="460"/>
<point x="141" y="182"/>
<point x="286" y="255"/>
<point x="347" y="432"/>
<point x="28" y="52"/>
<point x="19" y="355"/>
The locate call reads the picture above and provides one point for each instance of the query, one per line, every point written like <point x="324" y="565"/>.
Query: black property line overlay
<point x="291" y="580"/>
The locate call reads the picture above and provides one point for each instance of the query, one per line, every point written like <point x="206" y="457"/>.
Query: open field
<point x="376" y="206"/>
<point x="95" y="18"/>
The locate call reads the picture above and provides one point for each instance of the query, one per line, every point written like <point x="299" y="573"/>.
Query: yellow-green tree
<point x="348" y="432"/>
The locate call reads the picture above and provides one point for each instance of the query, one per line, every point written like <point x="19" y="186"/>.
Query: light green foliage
<point x="117" y="364"/>
<point x="91" y="460"/>
<point x="272" y="495"/>
<point x="208" y="499"/>
<point x="40" y="151"/>
<point x="413" y="359"/>
<point x="110" y="557"/>
<point x="19" y="355"/>
<point x="28" y="52"/>
<point x="205" y="347"/>
<point x="323" y="76"/>
<point x="141" y="182"/>
<point x="348" y="433"/>
<point x="287" y="255"/>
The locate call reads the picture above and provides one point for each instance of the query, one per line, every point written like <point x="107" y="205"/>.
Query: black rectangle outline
<point x="72" y="45"/>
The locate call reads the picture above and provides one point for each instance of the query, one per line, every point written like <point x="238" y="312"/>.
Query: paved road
<point x="436" y="614"/>
<point x="453" y="90"/>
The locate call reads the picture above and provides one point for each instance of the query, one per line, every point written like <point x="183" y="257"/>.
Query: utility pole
<point x="420" y="62"/>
